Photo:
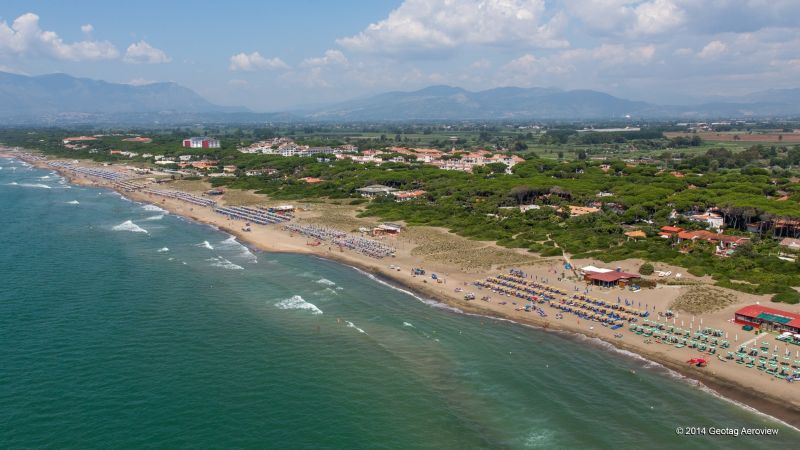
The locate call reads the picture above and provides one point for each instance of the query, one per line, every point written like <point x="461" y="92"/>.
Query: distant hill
<point x="452" y="103"/>
<point x="60" y="94"/>
<point x="60" y="99"/>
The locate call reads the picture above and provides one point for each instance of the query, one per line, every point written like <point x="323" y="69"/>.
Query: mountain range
<point x="60" y="98"/>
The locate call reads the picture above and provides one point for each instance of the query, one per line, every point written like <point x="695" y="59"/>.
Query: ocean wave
<point x="244" y="251"/>
<point x="432" y="303"/>
<point x="326" y="282"/>
<point x="30" y="185"/>
<point x="297" y="302"/>
<point x="327" y="290"/>
<point x="46" y="177"/>
<point x="128" y="225"/>
<point x="154" y="208"/>
<point x="73" y="202"/>
<point x="152" y="218"/>
<point x="224" y="263"/>
<point x="205" y="244"/>
<point x="163" y="250"/>
<point x="407" y="324"/>
<point x="352" y="325"/>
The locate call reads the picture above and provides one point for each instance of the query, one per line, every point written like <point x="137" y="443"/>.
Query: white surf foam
<point x="351" y="325"/>
<point x="407" y="324"/>
<point x="297" y="302"/>
<point x="152" y="218"/>
<point x="428" y="302"/>
<point x="30" y="185"/>
<point x="149" y="207"/>
<point x="46" y="177"/>
<point x="326" y="282"/>
<point x="73" y="202"/>
<point x="224" y="263"/>
<point x="205" y="244"/>
<point x="128" y="225"/>
<point x="244" y="252"/>
<point x="163" y="250"/>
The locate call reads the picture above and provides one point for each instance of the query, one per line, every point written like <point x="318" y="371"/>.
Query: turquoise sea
<point x="125" y="327"/>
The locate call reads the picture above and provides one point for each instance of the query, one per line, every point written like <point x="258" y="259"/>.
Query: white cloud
<point x="25" y="37"/>
<point x="712" y="50"/>
<point x="143" y="53"/>
<point x="429" y="26"/>
<point x="88" y="28"/>
<point x="658" y="16"/>
<point x="330" y="57"/>
<point x="252" y="61"/>
<point x="8" y="69"/>
<point x="583" y="64"/>
<point x="629" y="17"/>
<point x="140" y="82"/>
<point x="482" y="63"/>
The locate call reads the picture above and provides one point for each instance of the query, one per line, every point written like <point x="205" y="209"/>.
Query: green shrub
<point x="791" y="297"/>
<point x="646" y="269"/>
<point x="551" y="252"/>
<point x="358" y="201"/>
<point x="697" y="271"/>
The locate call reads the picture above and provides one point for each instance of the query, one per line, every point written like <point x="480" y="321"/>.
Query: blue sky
<point x="271" y="55"/>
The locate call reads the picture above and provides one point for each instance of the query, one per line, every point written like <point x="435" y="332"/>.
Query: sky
<point x="278" y="55"/>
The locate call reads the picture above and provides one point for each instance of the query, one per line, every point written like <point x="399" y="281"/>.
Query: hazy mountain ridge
<point x="63" y="99"/>
<point x="450" y="103"/>
<point x="54" y="94"/>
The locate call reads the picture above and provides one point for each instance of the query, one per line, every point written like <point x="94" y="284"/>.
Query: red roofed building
<point x="768" y="319"/>
<point x="609" y="279"/>
<point x="723" y="241"/>
<point x="402" y="196"/>
<point x="669" y="231"/>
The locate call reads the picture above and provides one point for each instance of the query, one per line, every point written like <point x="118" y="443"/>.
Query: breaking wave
<point x="128" y="225"/>
<point x="206" y="244"/>
<point x="149" y="207"/>
<point x="73" y="202"/>
<point x="297" y="302"/>
<point x="151" y="218"/>
<point x="224" y="263"/>
<point x="30" y="185"/>
<point x="351" y="325"/>
<point x="244" y="251"/>
<point x="326" y="282"/>
<point x="163" y="250"/>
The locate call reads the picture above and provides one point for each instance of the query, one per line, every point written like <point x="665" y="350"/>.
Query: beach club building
<point x="607" y="277"/>
<point x="768" y="319"/>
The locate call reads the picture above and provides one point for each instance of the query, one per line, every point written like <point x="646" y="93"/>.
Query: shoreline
<point x="763" y="403"/>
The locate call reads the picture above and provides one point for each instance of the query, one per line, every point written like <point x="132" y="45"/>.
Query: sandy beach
<point x="460" y="262"/>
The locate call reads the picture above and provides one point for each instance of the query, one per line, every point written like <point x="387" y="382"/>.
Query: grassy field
<point x="743" y="137"/>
